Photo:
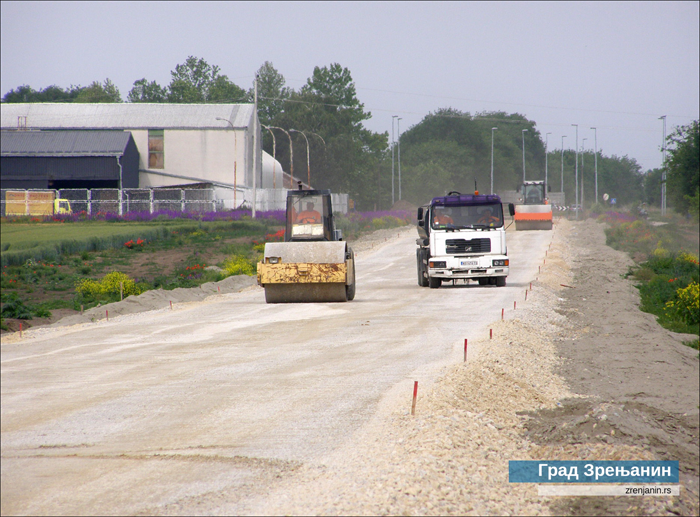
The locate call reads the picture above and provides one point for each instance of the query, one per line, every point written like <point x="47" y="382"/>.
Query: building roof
<point x="63" y="143"/>
<point x="124" y="116"/>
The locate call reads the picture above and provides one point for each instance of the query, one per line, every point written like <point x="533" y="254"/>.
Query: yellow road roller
<point x="313" y="264"/>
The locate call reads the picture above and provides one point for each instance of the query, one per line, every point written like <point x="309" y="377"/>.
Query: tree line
<point x="447" y="150"/>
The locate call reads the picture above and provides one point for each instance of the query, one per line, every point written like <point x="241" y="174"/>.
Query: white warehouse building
<point x="178" y="144"/>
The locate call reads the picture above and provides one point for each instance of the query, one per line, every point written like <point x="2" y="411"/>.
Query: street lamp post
<point x="546" y="159"/>
<point x="308" y="163"/>
<point x="393" y="144"/>
<point x="235" y="159"/>
<point x="398" y="130"/>
<point x="274" y="157"/>
<point x="524" y="131"/>
<point x="291" y="154"/>
<point x="562" y="163"/>
<point x="663" y="173"/>
<point x="576" y="178"/>
<point x="595" y="158"/>
<point x="492" y="130"/>
<point x="583" y="162"/>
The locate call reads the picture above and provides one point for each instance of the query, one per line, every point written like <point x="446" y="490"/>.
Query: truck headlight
<point x="500" y="262"/>
<point x="438" y="264"/>
<point x="273" y="260"/>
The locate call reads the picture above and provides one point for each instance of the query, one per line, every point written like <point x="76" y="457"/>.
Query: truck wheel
<point x="500" y="281"/>
<point x="434" y="283"/>
<point x="422" y="280"/>
<point x="350" y="289"/>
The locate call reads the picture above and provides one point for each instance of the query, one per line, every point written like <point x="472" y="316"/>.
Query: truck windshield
<point x="475" y="216"/>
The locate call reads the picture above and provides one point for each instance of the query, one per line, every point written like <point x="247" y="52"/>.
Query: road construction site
<point x="223" y="404"/>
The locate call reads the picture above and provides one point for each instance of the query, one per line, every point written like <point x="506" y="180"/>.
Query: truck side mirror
<point x="420" y="214"/>
<point x="511" y="209"/>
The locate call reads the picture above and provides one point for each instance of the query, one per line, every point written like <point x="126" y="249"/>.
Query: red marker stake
<point x="415" y="394"/>
<point x="107" y="315"/>
<point x="20" y="333"/>
<point x="525" y="294"/>
<point x="465" y="350"/>
<point x="514" y="305"/>
<point x="219" y="288"/>
<point x="502" y="312"/>
<point x="490" y="333"/>
<point x="171" y="305"/>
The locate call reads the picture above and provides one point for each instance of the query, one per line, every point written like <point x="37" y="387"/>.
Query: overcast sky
<point x="617" y="66"/>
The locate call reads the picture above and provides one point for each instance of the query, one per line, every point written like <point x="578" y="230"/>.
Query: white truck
<point x="462" y="236"/>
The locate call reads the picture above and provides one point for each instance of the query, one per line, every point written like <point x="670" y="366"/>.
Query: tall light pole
<point x="393" y="145"/>
<point x="322" y="140"/>
<point x="562" y="163"/>
<point x="663" y="173"/>
<point x="576" y="178"/>
<point x="524" y="131"/>
<point x="398" y="130"/>
<point x="546" y="159"/>
<point x="596" y="162"/>
<point x="492" y="130"/>
<point x="291" y="153"/>
<point x="274" y="157"/>
<point x="583" y="161"/>
<point x="308" y="163"/>
<point x="235" y="159"/>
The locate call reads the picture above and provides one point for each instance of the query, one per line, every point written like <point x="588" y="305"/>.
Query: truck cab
<point x="462" y="236"/>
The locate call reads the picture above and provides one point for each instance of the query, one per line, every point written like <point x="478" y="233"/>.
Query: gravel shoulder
<point x="573" y="373"/>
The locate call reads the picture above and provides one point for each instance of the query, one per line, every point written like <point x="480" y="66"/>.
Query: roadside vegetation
<point x="76" y="261"/>
<point x="667" y="270"/>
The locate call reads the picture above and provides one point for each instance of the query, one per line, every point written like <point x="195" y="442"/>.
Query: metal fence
<point x="106" y="201"/>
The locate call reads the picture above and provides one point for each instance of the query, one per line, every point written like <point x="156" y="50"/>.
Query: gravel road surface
<point x="227" y="405"/>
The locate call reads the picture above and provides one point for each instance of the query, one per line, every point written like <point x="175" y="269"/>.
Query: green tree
<point x="224" y="91"/>
<point x="272" y="93"/>
<point x="143" y="91"/>
<point x="51" y="93"/>
<point x="651" y="183"/>
<point x="683" y="165"/>
<point x="96" y="92"/>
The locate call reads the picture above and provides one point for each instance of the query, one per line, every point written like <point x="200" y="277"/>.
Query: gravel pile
<point x="451" y="458"/>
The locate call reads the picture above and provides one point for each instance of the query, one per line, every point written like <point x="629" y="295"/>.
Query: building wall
<point x="212" y="155"/>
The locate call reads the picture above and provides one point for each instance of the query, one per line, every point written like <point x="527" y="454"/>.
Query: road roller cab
<point x="313" y="264"/>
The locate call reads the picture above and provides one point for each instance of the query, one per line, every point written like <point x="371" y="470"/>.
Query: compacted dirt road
<point x="227" y="405"/>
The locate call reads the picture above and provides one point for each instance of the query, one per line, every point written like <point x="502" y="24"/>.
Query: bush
<point x="686" y="306"/>
<point x="238" y="265"/>
<point x="109" y="287"/>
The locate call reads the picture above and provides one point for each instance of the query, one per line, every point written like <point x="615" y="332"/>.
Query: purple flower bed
<point x="619" y="217"/>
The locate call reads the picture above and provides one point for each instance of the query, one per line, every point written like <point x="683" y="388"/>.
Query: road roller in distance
<point x="313" y="264"/>
<point x="535" y="212"/>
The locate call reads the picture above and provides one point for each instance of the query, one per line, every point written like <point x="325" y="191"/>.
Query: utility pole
<point x="255" y="149"/>
<point x="576" y="178"/>
<point x="583" y="160"/>
<point x="663" y="173"/>
<point x="492" y="130"/>
<point x="562" y="163"/>
<point x="393" y="145"/>
<point x="524" y="131"/>
<point x="398" y="130"/>
<point x="596" y="163"/>
<point x="546" y="159"/>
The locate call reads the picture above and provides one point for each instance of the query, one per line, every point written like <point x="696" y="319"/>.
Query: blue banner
<point x="592" y="471"/>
